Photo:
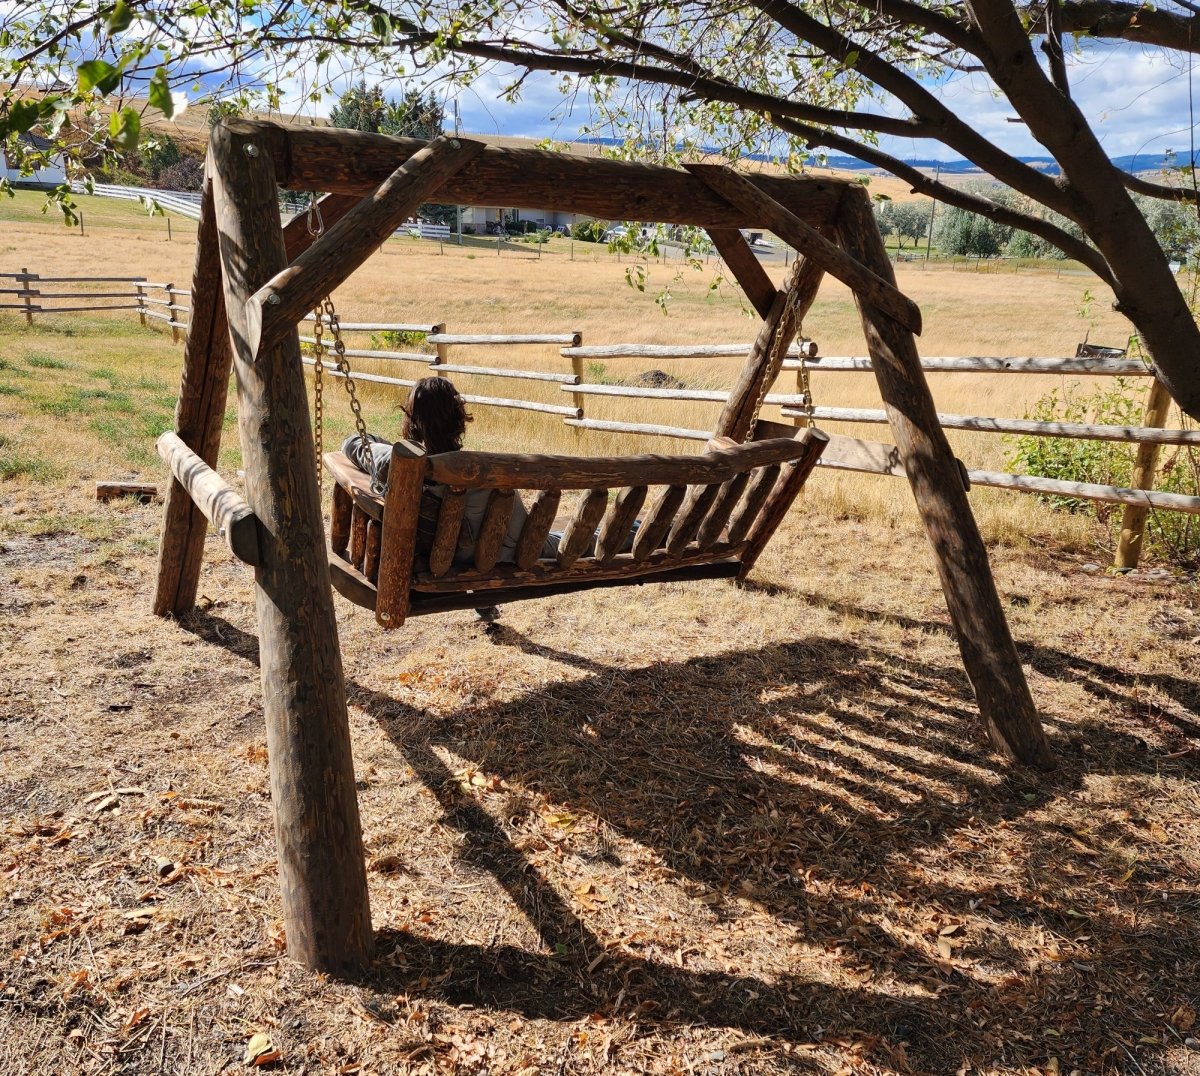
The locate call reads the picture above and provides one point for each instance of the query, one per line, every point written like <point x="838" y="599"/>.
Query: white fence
<point x="185" y="203"/>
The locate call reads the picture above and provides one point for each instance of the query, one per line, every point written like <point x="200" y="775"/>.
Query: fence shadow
<point x="816" y="780"/>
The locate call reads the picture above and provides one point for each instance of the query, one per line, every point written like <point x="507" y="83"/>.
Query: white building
<point x="49" y="175"/>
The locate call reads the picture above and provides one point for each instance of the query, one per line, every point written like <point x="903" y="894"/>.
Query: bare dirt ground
<point x="683" y="829"/>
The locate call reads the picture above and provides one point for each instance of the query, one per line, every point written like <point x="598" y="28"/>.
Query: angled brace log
<point x="277" y="306"/>
<point x="746" y="268"/>
<point x="868" y="285"/>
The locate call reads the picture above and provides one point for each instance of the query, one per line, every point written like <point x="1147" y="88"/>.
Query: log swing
<point x="254" y="279"/>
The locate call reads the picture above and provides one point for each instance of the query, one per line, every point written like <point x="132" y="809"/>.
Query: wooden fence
<point x="38" y="296"/>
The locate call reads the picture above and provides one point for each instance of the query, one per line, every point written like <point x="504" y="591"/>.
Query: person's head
<point x="435" y="416"/>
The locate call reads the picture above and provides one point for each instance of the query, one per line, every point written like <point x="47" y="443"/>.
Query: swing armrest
<point x="401" y="511"/>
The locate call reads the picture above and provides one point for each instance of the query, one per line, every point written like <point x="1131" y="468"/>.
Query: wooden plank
<point x="140" y="491"/>
<point x="339" y="521"/>
<point x="537" y="527"/>
<point x="502" y="339"/>
<point x="369" y="326"/>
<point x="881" y="292"/>
<point x="422" y="357"/>
<point x="315" y="158"/>
<point x="983" y="364"/>
<point x="983" y="424"/>
<point x="1088" y="491"/>
<point x="644" y="429"/>
<point x="727" y="499"/>
<point x="780" y="499"/>
<point x="497" y="371"/>
<point x="747" y="270"/>
<point x="687" y="523"/>
<point x="987" y="648"/>
<point x="762" y="481"/>
<point x="655" y="526"/>
<point x="358" y="536"/>
<point x="493" y="528"/>
<point x="505" y="470"/>
<point x="676" y="351"/>
<point x="582" y="528"/>
<point x="281" y="302"/>
<point x="614" y="528"/>
<point x="785" y="399"/>
<point x="445" y="538"/>
<point x="322" y="874"/>
<point x="401" y="512"/>
<point x="222" y="506"/>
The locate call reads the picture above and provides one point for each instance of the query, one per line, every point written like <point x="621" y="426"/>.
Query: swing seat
<point x="712" y="515"/>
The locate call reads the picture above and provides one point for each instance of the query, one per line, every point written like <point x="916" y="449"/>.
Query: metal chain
<point x="775" y="364"/>
<point x="318" y="398"/>
<point x="339" y="347"/>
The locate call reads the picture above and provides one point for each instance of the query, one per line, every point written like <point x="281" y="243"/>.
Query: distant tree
<point x="360" y="109"/>
<point x="416" y="115"/>
<point x="965" y="233"/>
<point x="883" y="216"/>
<point x="910" y="220"/>
<point x="186" y="174"/>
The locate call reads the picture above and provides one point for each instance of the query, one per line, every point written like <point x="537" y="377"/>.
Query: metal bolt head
<point x="250" y="149"/>
<point x="385" y="616"/>
<point x="455" y="144"/>
<point x="273" y="298"/>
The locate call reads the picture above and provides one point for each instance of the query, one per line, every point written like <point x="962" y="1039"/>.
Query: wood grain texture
<point x="358" y="536"/>
<point x="493" y="529"/>
<point x="614" y="528"/>
<point x="747" y="270"/>
<point x="220" y="503"/>
<point x="449" y="524"/>
<point x="401" y="512"/>
<point x="339" y="520"/>
<point x="200" y="408"/>
<point x="880" y="291"/>
<point x="653" y="531"/>
<point x="316" y="158"/>
<point x="687" y="523"/>
<point x="780" y="499"/>
<point x="537" y="527"/>
<point x="277" y="307"/>
<point x="718" y="516"/>
<point x="370" y="566"/>
<point x="984" y="639"/>
<point x="762" y="481"/>
<point x="582" y="528"/>
<point x="318" y="834"/>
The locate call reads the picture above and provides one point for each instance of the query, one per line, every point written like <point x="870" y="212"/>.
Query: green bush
<point x="1172" y="536"/>
<point x="590" y="231"/>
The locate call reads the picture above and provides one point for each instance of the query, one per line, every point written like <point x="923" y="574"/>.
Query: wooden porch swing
<point x="253" y="282"/>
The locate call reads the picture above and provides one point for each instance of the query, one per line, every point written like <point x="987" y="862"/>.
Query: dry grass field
<point x="679" y="829"/>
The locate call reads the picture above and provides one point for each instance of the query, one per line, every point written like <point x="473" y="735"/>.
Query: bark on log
<point x="984" y="639"/>
<point x="614" y="529"/>
<point x="318" y="834"/>
<point x="401" y="511"/>
<point x="657" y="524"/>
<point x="537" y="527"/>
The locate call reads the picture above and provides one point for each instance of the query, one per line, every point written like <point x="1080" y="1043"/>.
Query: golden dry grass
<point x="679" y="829"/>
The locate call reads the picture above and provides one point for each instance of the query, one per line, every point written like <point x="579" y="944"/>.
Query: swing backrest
<point x="700" y="516"/>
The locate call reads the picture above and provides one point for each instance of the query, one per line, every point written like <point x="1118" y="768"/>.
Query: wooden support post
<point x="321" y="869"/>
<point x="984" y="640"/>
<point x="27" y="279"/>
<point x="174" y="322"/>
<point x="783" y="322"/>
<point x="203" y="392"/>
<point x="747" y="270"/>
<point x="1145" y="465"/>
<point x="443" y="350"/>
<point x="141" y="299"/>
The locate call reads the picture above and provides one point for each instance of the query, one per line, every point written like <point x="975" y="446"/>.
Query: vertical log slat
<point x="687" y="523"/>
<point x="783" y="493"/>
<point x="614" y="530"/>
<point x="658" y="521"/>
<point x="1133" y="520"/>
<point x="445" y="537"/>
<point x="761" y="484"/>
<point x="582" y="527"/>
<point x="493" y="528"/>
<point x="727" y="500"/>
<point x="401" y="513"/>
<point x="537" y="527"/>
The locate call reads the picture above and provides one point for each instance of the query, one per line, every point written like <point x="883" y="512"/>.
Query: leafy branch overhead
<point x="784" y="77"/>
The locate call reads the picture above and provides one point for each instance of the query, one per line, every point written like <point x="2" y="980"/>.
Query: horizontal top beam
<point x="353" y="162"/>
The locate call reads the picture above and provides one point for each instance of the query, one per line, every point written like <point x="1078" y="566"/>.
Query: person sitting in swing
<point x="435" y="417"/>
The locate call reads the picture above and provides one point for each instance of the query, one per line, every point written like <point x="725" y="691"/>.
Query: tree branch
<point x="1157" y="190"/>
<point x="1142" y="23"/>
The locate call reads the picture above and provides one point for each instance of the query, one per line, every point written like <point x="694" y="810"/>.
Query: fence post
<point x="579" y="399"/>
<point x="141" y="296"/>
<point x="1133" y="521"/>
<point x="443" y="350"/>
<point x="28" y="278"/>
<point x="171" y="308"/>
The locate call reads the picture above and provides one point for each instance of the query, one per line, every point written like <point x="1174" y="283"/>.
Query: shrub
<point x="590" y="231"/>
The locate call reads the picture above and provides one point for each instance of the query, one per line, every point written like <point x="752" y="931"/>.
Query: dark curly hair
<point x="435" y="416"/>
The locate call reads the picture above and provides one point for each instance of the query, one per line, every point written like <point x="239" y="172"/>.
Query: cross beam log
<point x="277" y="307"/>
<point x="353" y="162"/>
<point x="984" y="639"/>
<point x="881" y="293"/>
<point x="317" y="830"/>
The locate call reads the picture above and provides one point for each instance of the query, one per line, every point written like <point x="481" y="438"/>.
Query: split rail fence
<point x="38" y="296"/>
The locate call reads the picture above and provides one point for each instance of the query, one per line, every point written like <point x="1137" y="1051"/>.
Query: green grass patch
<point x="15" y="463"/>
<point x="46" y="362"/>
<point x="97" y="528"/>
<point x="10" y="390"/>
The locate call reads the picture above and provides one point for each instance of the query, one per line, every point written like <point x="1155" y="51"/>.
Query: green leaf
<point x="159" y="93"/>
<point x="124" y="128"/>
<point x="98" y="75"/>
<point x="120" y="19"/>
<point x="21" y="116"/>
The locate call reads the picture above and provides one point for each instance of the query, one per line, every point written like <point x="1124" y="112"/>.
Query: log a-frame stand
<point x="254" y="280"/>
